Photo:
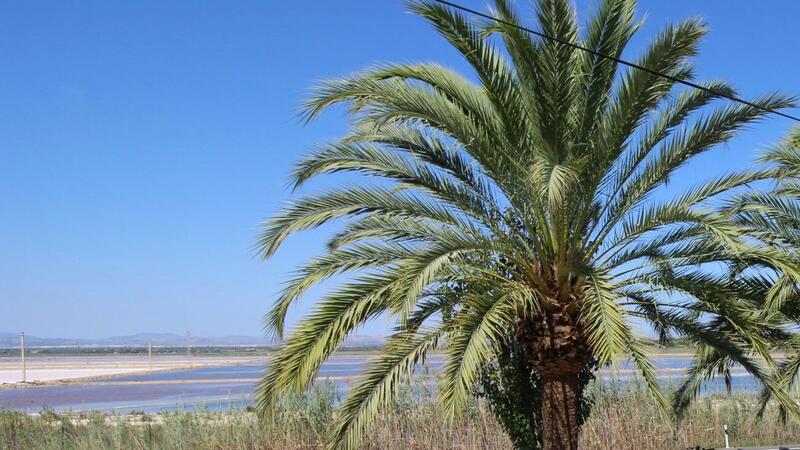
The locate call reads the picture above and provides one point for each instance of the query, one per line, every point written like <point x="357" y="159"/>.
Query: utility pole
<point x="150" y="353"/>
<point x="22" y="355"/>
<point x="725" y="430"/>
<point x="188" y="344"/>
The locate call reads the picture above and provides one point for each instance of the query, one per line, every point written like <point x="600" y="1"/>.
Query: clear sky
<point x="141" y="143"/>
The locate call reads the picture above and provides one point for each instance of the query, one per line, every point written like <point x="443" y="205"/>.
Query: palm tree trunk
<point x="556" y="347"/>
<point x="559" y="412"/>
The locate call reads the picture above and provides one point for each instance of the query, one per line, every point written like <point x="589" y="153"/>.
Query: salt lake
<point x="231" y="386"/>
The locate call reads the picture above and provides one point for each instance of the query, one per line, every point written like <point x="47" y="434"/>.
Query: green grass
<point x="621" y="418"/>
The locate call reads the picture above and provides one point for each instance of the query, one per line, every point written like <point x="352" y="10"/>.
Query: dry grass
<point x="621" y="419"/>
<point x="628" y="419"/>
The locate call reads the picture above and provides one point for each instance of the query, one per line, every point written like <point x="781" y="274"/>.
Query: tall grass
<point x="622" y="418"/>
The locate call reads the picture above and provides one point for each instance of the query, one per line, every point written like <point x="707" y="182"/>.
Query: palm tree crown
<point x="534" y="182"/>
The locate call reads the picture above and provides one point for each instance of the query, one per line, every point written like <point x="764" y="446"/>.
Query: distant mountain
<point x="12" y="340"/>
<point x="135" y="340"/>
<point x="364" y="342"/>
<point x="169" y="340"/>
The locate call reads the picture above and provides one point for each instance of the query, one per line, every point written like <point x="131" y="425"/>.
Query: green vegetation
<point x="621" y="419"/>
<point x="772" y="218"/>
<point x="528" y="203"/>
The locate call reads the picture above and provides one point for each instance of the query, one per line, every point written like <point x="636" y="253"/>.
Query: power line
<point x="617" y="60"/>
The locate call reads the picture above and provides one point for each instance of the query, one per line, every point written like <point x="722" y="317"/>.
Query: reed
<point x="623" y="418"/>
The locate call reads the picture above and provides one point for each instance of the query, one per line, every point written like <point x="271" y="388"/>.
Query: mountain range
<point x="166" y="340"/>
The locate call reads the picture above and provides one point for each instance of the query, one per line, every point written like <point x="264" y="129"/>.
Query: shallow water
<point x="231" y="387"/>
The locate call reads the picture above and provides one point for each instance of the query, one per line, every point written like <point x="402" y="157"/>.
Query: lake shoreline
<point x="66" y="370"/>
<point x="63" y="370"/>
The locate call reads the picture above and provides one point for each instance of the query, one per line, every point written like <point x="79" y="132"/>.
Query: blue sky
<point x="142" y="143"/>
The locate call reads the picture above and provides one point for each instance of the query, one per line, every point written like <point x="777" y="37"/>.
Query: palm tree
<point x="539" y="182"/>
<point x="772" y="218"/>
